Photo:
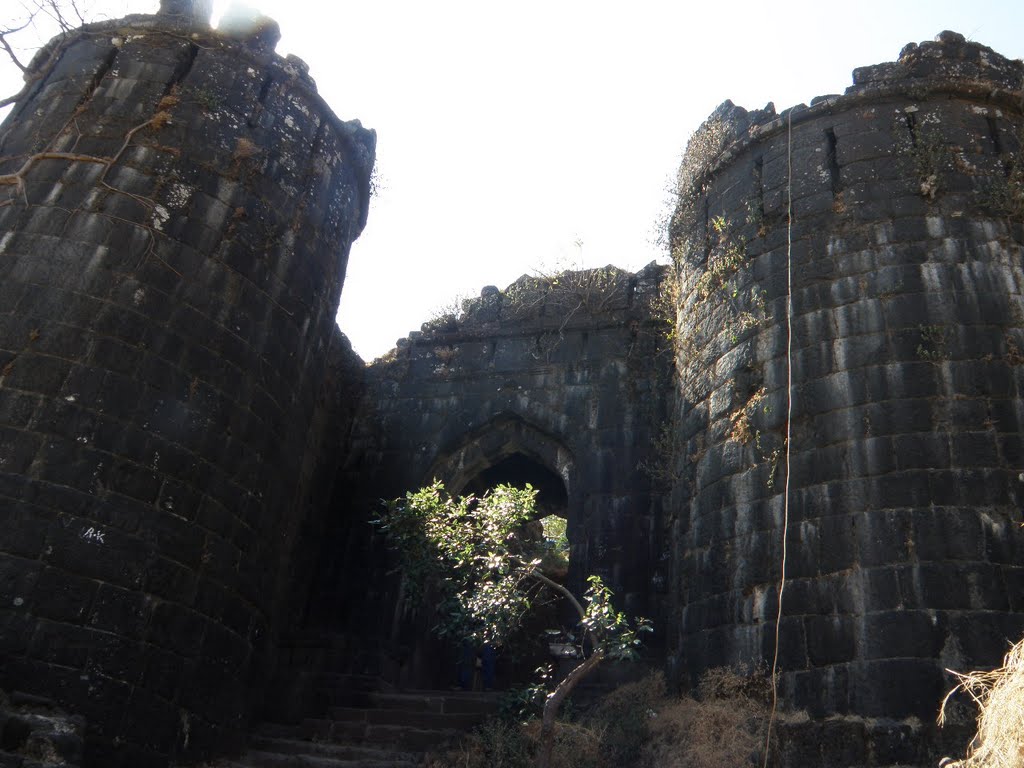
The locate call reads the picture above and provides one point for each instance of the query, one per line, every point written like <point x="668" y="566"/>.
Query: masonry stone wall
<point x="190" y="453"/>
<point x="176" y="209"/>
<point x="569" y="373"/>
<point x="903" y="553"/>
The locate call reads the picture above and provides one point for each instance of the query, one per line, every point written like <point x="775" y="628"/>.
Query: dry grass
<point x="999" y="695"/>
<point x="725" y="728"/>
<point x="639" y="725"/>
<point x="503" y="744"/>
<point x="576" y="746"/>
<point x="711" y="734"/>
<point x="742" y="431"/>
<point x="625" y="717"/>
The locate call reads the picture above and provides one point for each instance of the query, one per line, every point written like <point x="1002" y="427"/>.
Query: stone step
<point x="295" y="746"/>
<point x="400" y="737"/>
<point x="403" y="717"/>
<point x="258" y="759"/>
<point x="344" y="681"/>
<point x="375" y="729"/>
<point x="448" y="702"/>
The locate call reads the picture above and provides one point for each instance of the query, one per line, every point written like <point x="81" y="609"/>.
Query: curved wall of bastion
<point x="176" y="211"/>
<point x="903" y="554"/>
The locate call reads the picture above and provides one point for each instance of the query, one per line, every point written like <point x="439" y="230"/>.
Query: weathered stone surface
<point x="171" y="260"/>
<point x="906" y="385"/>
<point x="178" y="412"/>
<point x="34" y="733"/>
<point x="557" y="381"/>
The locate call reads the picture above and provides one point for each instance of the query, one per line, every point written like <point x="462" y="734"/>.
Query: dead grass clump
<point x="999" y="695"/>
<point x="624" y="718"/>
<point x="638" y="725"/>
<point x="726" y="728"/>
<point x="160" y="119"/>
<point x="507" y="744"/>
<point x="721" y="683"/>
<point x="742" y="431"/>
<point x="245" y="149"/>
<point x="576" y="746"/>
<point x="495" y="744"/>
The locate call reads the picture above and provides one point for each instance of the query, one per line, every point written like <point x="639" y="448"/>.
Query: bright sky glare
<point x="545" y="134"/>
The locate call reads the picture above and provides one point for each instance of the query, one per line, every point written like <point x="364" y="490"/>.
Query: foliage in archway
<point x="487" y="565"/>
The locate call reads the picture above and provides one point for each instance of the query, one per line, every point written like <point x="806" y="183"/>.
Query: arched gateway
<point x="510" y="450"/>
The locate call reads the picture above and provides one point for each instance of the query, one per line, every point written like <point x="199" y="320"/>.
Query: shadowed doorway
<point x="550" y="623"/>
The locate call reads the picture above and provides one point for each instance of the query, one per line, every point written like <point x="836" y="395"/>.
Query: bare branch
<point x="5" y="43"/>
<point x="10" y="52"/>
<point x="52" y="8"/>
<point x="561" y="590"/>
<point x="57" y="13"/>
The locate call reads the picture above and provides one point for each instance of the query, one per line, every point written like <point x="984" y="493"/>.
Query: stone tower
<point x="903" y="554"/>
<point x="176" y="212"/>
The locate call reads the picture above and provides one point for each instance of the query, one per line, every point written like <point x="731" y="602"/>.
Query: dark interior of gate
<point x="551" y="626"/>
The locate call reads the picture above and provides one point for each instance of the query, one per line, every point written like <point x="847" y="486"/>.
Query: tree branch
<point x="554" y="701"/>
<point x="17" y="179"/>
<point x="10" y="51"/>
<point x="48" y="8"/>
<point x="561" y="590"/>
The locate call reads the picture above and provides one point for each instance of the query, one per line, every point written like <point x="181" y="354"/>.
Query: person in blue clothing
<point x="477" y="657"/>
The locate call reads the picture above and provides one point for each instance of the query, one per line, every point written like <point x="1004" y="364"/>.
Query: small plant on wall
<point x="1005" y="195"/>
<point x="922" y="147"/>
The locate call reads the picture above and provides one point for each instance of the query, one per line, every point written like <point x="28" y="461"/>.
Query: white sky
<point x="533" y="134"/>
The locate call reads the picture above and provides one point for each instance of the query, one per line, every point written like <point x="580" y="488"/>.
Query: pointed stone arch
<point x="508" y="449"/>
<point x="498" y="442"/>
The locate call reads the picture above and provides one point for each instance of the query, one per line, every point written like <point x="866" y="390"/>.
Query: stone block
<point x="36" y="373"/>
<point x="844" y="742"/>
<point x="170" y="580"/>
<point x="96" y="552"/>
<point x="984" y="637"/>
<point x="123" y="611"/>
<point x="821" y="691"/>
<point x="901" y="634"/>
<point x="883" y="538"/>
<point x="897" y="688"/>
<point x="893" y="743"/>
<point x="830" y="639"/>
<point x="871" y="455"/>
<point x="921" y="451"/>
<point x="153" y="722"/>
<point x="944" y="533"/>
<point x="63" y="597"/>
<point x="858" y="351"/>
<point x="16" y="629"/>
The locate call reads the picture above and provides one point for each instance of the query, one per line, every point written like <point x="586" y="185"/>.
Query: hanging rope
<point x="789" y="423"/>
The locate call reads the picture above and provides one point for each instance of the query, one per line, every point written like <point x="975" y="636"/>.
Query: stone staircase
<point x="367" y="726"/>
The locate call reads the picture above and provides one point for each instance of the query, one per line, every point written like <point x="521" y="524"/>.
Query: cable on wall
<point x="789" y="425"/>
